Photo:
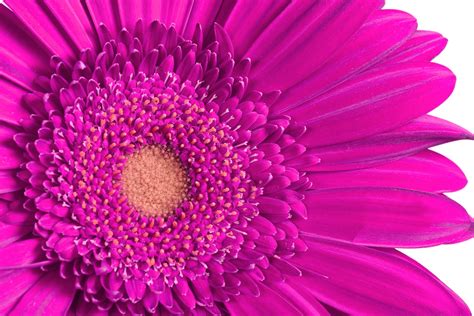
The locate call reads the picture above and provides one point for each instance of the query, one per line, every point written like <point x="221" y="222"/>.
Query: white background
<point x="453" y="264"/>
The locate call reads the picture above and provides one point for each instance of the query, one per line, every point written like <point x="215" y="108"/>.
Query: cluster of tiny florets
<point x="108" y="148"/>
<point x="154" y="173"/>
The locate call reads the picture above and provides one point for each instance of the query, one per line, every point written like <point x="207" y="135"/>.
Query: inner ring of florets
<point x="128" y="118"/>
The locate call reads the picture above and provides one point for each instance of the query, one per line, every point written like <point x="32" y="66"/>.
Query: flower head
<point x="187" y="158"/>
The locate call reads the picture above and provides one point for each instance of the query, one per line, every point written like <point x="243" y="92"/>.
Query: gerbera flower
<point x="222" y="157"/>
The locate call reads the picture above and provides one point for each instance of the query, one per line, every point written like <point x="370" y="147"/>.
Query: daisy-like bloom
<point x="222" y="157"/>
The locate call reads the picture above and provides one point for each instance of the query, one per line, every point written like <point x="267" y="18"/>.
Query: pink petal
<point x="11" y="233"/>
<point x="26" y="251"/>
<point x="175" y="12"/>
<point x="203" y="12"/>
<point x="12" y="286"/>
<point x="249" y="19"/>
<point x="51" y="295"/>
<point x="295" y="292"/>
<point x="419" y="134"/>
<point x="9" y="182"/>
<point x="40" y="22"/>
<point x="12" y="111"/>
<point x="425" y="171"/>
<point x="21" y="56"/>
<point x="269" y="302"/>
<point x="166" y="12"/>
<point x="89" y="309"/>
<point x="385" y="217"/>
<point x="304" y="32"/>
<point x="383" y="32"/>
<point x="104" y="12"/>
<point x="364" y="281"/>
<point x="73" y="18"/>
<point x="15" y="69"/>
<point x="375" y="102"/>
<point x="131" y="11"/>
<point x="10" y="157"/>
<point x="422" y="46"/>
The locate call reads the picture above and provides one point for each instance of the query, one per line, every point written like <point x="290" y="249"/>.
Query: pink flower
<point x="222" y="157"/>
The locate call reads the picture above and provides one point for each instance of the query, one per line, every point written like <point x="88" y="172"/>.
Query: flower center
<point x="154" y="181"/>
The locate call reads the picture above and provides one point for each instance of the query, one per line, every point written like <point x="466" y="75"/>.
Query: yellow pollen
<point x="154" y="181"/>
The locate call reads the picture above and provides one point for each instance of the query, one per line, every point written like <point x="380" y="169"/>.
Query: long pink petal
<point x="248" y="19"/>
<point x="9" y="182"/>
<point x="167" y="12"/>
<point x="203" y="12"/>
<point x="11" y="233"/>
<point x="10" y="157"/>
<point x="40" y="21"/>
<point x="22" y="57"/>
<point x="419" y="134"/>
<point x="104" y="12"/>
<point x="52" y="295"/>
<point x="422" y="46"/>
<point x="305" y="31"/>
<point x="132" y="10"/>
<point x="176" y="13"/>
<point x="26" y="251"/>
<point x="13" y="284"/>
<point x="269" y="302"/>
<point x="89" y="309"/>
<point x="73" y="18"/>
<point x="364" y="281"/>
<point x="383" y="33"/>
<point x="375" y="102"/>
<point x="385" y="217"/>
<point x="295" y="292"/>
<point x="425" y="171"/>
<point x="11" y="108"/>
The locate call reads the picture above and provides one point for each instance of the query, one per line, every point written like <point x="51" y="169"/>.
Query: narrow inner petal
<point x="154" y="181"/>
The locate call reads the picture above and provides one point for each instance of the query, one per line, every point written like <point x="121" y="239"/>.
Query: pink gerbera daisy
<point x="222" y="157"/>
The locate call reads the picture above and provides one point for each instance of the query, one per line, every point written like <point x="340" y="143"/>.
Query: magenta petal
<point x="419" y="134"/>
<point x="21" y="56"/>
<point x="295" y="292"/>
<point x="15" y="69"/>
<point x="165" y="11"/>
<point x="89" y="309"/>
<point x="26" y="251"/>
<point x="52" y="295"/>
<point x="301" y="32"/>
<point x="72" y="15"/>
<point x="244" y="25"/>
<point x="383" y="32"/>
<point x="204" y="13"/>
<point x="40" y="22"/>
<point x="104" y="12"/>
<point x="268" y="303"/>
<point x="11" y="233"/>
<point x="9" y="182"/>
<point x="12" y="286"/>
<point x="422" y="46"/>
<point x="135" y="289"/>
<point x="425" y="171"/>
<point x="385" y="217"/>
<point x="131" y="11"/>
<point x="12" y="111"/>
<point x="375" y="102"/>
<point x="175" y="13"/>
<point x="10" y="157"/>
<point x="364" y="281"/>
